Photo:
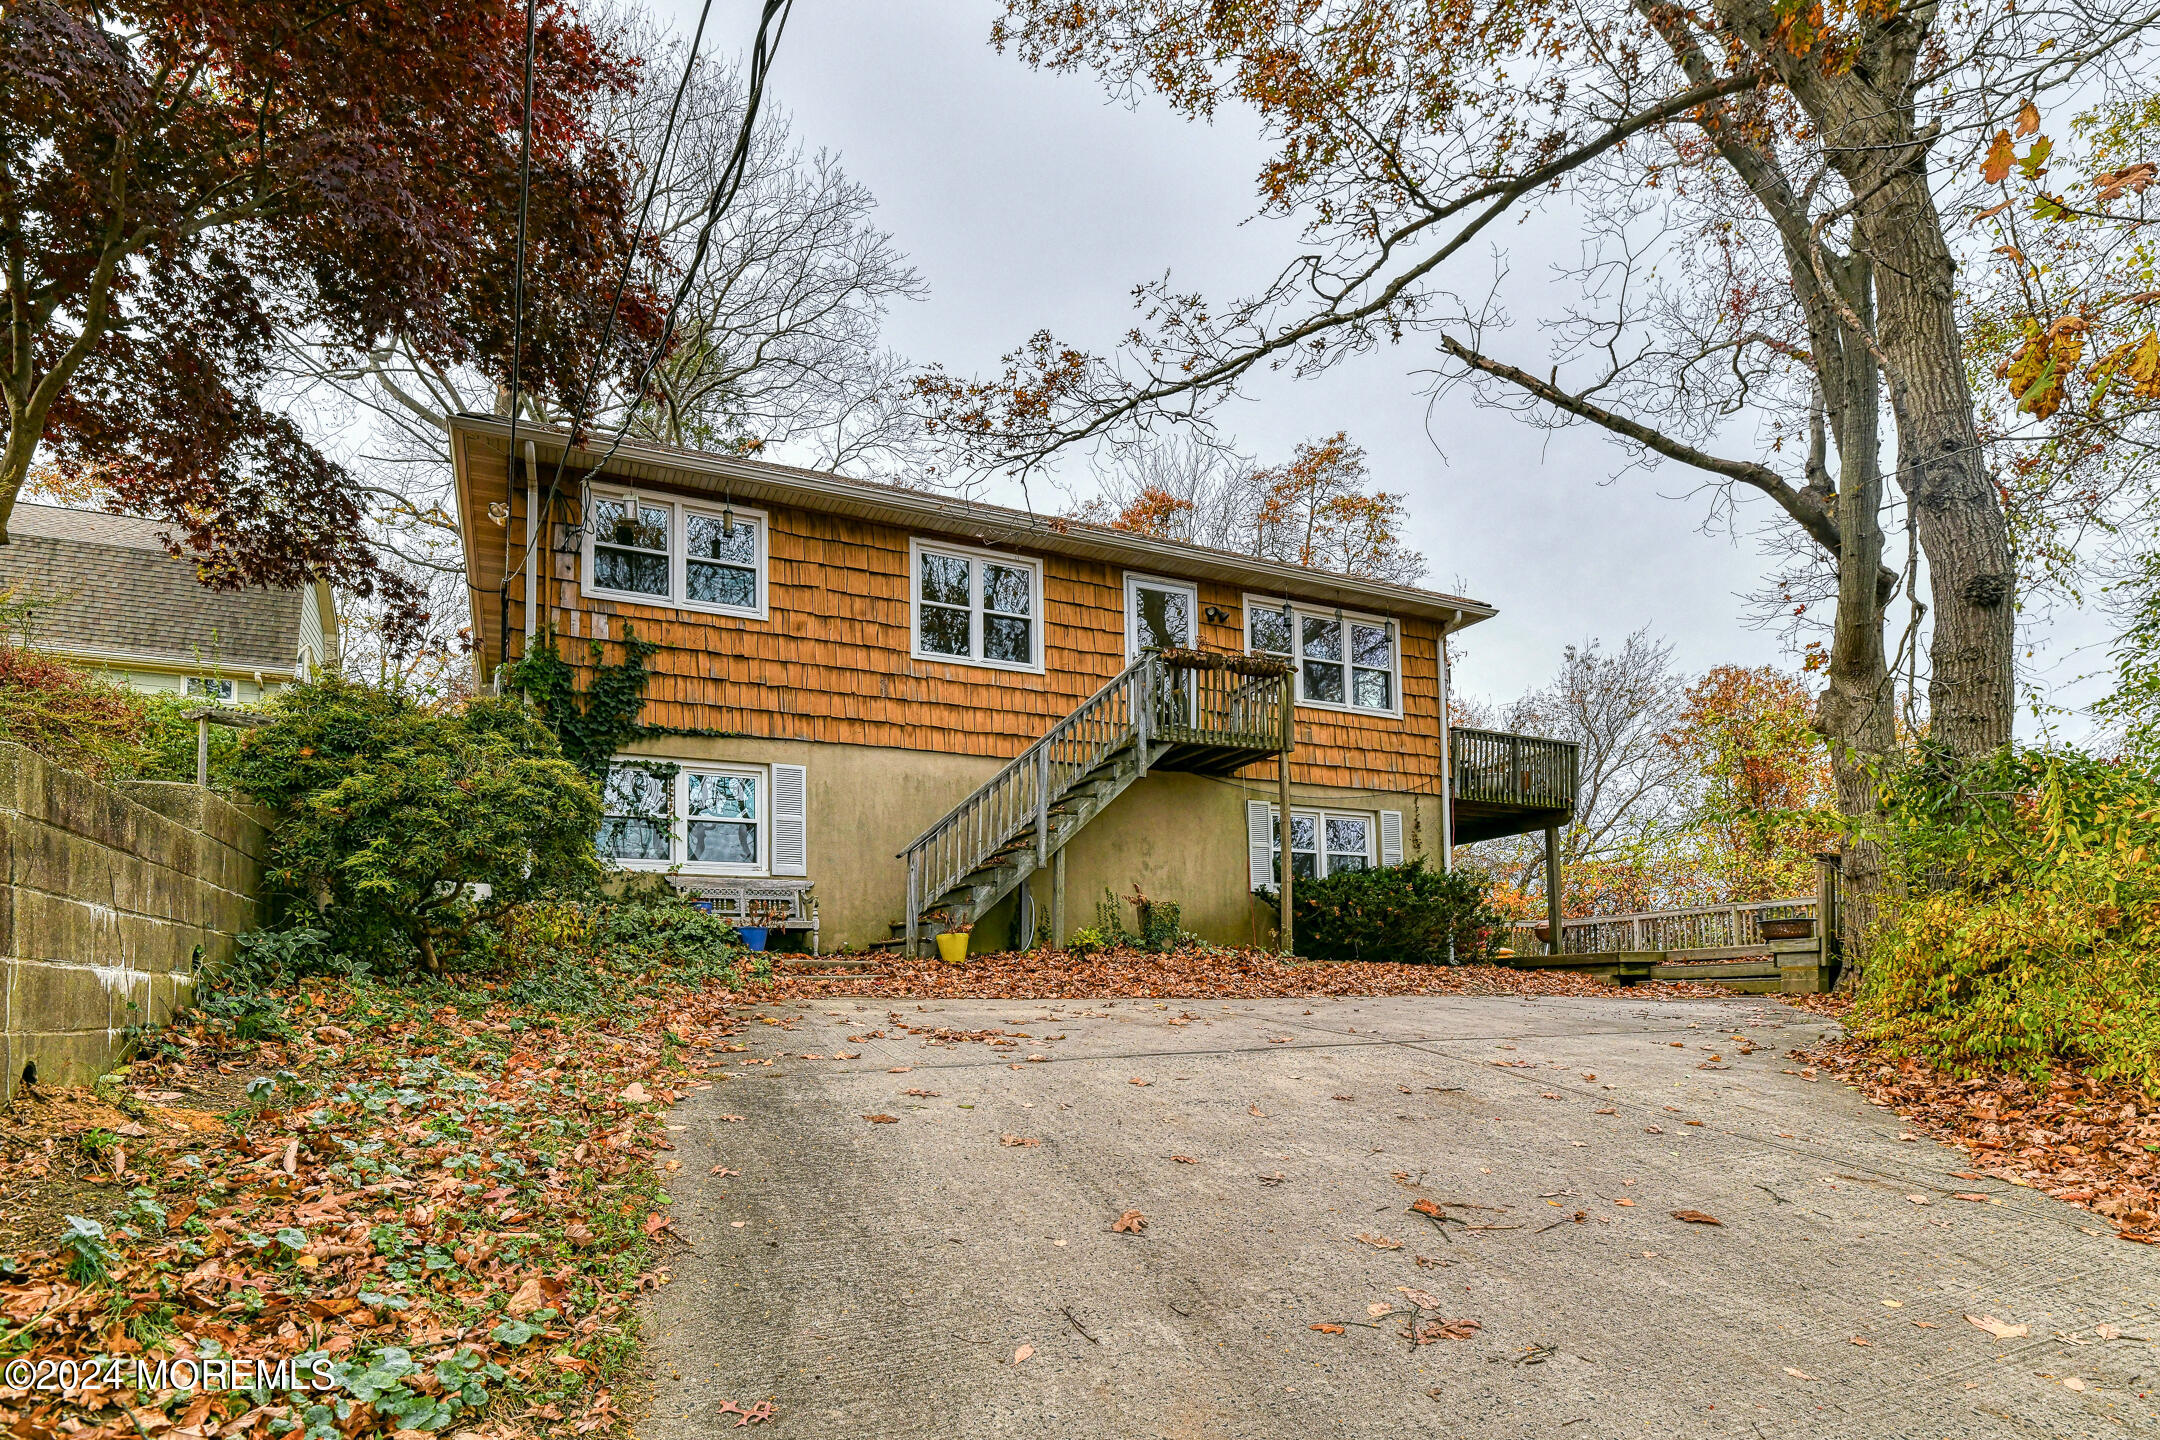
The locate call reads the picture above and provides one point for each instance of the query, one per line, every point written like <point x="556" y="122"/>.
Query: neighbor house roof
<point x="754" y="481"/>
<point x="114" y="592"/>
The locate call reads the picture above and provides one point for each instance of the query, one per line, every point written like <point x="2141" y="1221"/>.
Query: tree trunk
<point x="1955" y="508"/>
<point x="1858" y="715"/>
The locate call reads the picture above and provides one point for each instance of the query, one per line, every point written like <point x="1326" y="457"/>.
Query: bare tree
<point x="777" y="350"/>
<point x="1617" y="706"/>
<point x="1318" y="509"/>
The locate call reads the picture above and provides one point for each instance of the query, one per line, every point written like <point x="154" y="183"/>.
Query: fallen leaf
<point x="722" y="1170"/>
<point x="1858" y="1341"/>
<point x="1018" y="1140"/>
<point x="1423" y="1299"/>
<point x="1038" y="1059"/>
<point x="1132" y="1222"/>
<point x="1425" y="1207"/>
<point x="847" y="1055"/>
<point x="1608" y="1110"/>
<point x="1379" y="1308"/>
<point x="529" y="1297"/>
<point x="1136" y="1080"/>
<point x="900" y="1070"/>
<point x="1022" y="1353"/>
<point x="1623" y="1200"/>
<point x="2073" y="1383"/>
<point x="634" y="1093"/>
<point x="1798" y="1374"/>
<point x="1999" y="1329"/>
<point x="1346" y="1097"/>
<point x="1976" y="1199"/>
<point x="1917" y="1199"/>
<point x="1256" y="1110"/>
<point x="1184" y="1159"/>
<point x="2108" y="1332"/>
<point x="1329" y="1329"/>
<point x="1379" y="1242"/>
<point x="921" y="1094"/>
<point x="1696" y="1217"/>
<point x="729" y="1119"/>
<point x="737" y="1224"/>
<point x="882" y="1119"/>
<point x="656" y="1222"/>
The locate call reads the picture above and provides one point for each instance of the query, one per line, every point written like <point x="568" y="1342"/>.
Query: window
<point x="211" y="689"/>
<point x="1345" y="662"/>
<point x="976" y="607"/>
<point x="636" y="808"/>
<point x="701" y="557"/>
<point x="1158" y="614"/>
<point x="1324" y="842"/>
<point x="706" y="818"/>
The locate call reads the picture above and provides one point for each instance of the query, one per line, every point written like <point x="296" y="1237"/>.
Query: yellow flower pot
<point x="952" y="947"/>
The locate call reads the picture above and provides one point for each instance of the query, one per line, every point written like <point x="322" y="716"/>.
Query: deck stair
<point x="1181" y="710"/>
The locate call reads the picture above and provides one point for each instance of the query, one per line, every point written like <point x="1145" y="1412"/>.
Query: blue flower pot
<point x="753" y="936"/>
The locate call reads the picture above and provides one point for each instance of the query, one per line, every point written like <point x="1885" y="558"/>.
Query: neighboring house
<point x="960" y="712"/>
<point x="115" y="600"/>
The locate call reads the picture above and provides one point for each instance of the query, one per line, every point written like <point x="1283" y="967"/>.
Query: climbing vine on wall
<point x="591" y="724"/>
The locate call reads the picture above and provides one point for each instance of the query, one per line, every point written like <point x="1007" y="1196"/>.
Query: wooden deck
<point x="1510" y="784"/>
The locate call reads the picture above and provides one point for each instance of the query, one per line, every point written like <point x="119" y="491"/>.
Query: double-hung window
<point x="975" y="607"/>
<point x="1343" y="662"/>
<point x="657" y="550"/>
<point x="709" y="819"/>
<point x="1322" y="842"/>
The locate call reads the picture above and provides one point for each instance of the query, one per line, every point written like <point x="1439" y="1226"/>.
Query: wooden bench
<point x="747" y="901"/>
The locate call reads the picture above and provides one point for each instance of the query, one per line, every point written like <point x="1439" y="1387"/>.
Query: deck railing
<point x="1710" y="927"/>
<point x="1155" y="699"/>
<point x="1495" y="768"/>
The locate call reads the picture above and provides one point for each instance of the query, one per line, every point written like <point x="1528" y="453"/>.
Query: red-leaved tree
<point x="183" y="178"/>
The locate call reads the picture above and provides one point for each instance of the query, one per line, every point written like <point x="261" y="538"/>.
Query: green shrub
<point x="400" y="827"/>
<point x="1404" y="914"/>
<point x="1091" y="940"/>
<point x="594" y="956"/>
<point x="66" y="714"/>
<point x="2021" y="927"/>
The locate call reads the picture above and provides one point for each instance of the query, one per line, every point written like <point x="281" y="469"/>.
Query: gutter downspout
<point x="1447" y="753"/>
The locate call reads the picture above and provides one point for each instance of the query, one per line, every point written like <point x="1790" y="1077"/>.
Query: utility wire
<point x="622" y="281"/>
<point x="517" y="281"/>
<point x="772" y="22"/>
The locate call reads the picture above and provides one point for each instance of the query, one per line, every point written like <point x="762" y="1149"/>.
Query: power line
<point x="607" y="328"/>
<point x="517" y="282"/>
<point x="772" y="23"/>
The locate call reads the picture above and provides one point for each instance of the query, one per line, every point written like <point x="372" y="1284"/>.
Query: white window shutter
<point x="1391" y="837"/>
<point x="790" y="835"/>
<point x="1260" y="844"/>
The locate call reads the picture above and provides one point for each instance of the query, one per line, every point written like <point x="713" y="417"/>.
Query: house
<point x="940" y="712"/>
<point x="113" y="599"/>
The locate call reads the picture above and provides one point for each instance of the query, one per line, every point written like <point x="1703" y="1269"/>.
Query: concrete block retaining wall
<point x="115" y="898"/>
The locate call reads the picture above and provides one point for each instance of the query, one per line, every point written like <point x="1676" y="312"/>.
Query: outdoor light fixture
<point x="1216" y="614"/>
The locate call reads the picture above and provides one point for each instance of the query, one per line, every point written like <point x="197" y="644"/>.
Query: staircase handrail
<point x="1018" y="797"/>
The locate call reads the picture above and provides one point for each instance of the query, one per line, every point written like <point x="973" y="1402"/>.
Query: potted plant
<point x="756" y="928"/>
<point x="952" y="944"/>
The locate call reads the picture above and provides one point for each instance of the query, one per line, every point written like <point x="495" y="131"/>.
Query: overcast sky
<point x="1029" y="202"/>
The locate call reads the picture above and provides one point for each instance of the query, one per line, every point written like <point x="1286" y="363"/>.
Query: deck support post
<point x="1057" y="899"/>
<point x="914" y="901"/>
<point x="202" y="751"/>
<point x="1552" y="889"/>
<point x="1282" y="789"/>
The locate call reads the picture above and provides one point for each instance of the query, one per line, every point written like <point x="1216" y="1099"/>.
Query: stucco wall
<point x="115" y="898"/>
<point x="1180" y="837"/>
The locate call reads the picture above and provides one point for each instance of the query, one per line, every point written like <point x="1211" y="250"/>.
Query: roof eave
<point x="751" y="481"/>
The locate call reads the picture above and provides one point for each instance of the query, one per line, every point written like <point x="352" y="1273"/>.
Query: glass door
<point x="1163" y="615"/>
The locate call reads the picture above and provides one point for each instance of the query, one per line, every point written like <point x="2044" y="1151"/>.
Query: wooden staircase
<point x="1183" y="711"/>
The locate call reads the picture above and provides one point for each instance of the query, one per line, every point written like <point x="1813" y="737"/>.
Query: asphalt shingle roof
<point x="112" y="588"/>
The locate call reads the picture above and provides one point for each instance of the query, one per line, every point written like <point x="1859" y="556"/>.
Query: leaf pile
<point x="2072" y="1137"/>
<point x="449" y="1198"/>
<point x="1195" y="972"/>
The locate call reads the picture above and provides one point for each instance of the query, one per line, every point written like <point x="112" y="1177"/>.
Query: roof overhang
<point x="991" y="526"/>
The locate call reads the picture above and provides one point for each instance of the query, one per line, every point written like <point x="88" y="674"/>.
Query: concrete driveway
<point x="878" y="1279"/>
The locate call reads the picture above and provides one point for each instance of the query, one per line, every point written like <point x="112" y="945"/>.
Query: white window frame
<point x="1297" y="652"/>
<point x="678" y="559"/>
<point x="214" y="687"/>
<point x="1319" y="817"/>
<point x="917" y="548"/>
<point x="679" y="817"/>
<point x="1133" y="581"/>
